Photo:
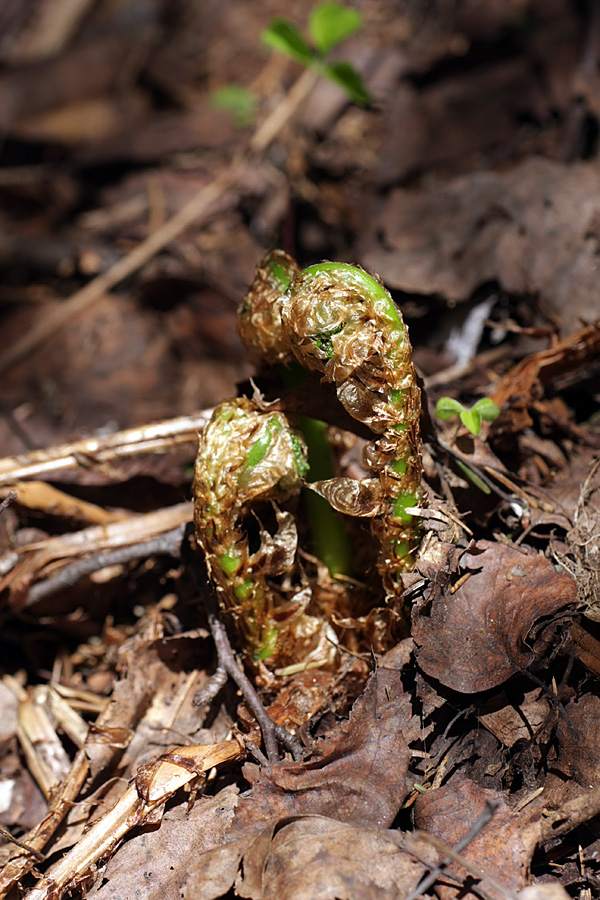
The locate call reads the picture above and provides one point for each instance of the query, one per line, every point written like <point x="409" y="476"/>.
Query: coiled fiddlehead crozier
<point x="249" y="456"/>
<point x="339" y="321"/>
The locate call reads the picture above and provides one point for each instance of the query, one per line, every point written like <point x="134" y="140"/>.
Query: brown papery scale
<point x="259" y="316"/>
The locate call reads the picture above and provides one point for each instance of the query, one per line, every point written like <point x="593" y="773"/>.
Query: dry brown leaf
<point x="477" y="637"/>
<point x="511" y="722"/>
<point x="579" y="740"/>
<point x="213" y="873"/>
<point x="532" y="229"/>
<point x="316" y="857"/>
<point x="156" y="863"/>
<point x="522" y="385"/>
<point x="311" y="857"/>
<point x="358" y="772"/>
<point x="450" y="811"/>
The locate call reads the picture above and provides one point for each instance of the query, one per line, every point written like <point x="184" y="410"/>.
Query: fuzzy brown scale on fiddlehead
<point x="259" y="318"/>
<point x="248" y="456"/>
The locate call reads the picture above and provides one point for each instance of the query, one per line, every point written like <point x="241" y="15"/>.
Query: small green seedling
<point x="447" y="408"/>
<point x="328" y="25"/>
<point x="240" y="102"/>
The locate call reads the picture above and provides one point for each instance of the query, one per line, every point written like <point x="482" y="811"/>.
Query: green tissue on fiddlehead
<point x="261" y="329"/>
<point x="259" y="316"/>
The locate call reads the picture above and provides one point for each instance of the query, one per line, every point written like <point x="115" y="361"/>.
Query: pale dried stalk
<point x="33" y="558"/>
<point x="46" y="757"/>
<point x="81" y="699"/>
<point x="40" y="709"/>
<point x="21" y="862"/>
<point x="63" y="713"/>
<point x="143" y="802"/>
<point x="97" y="452"/>
<point x="43" y="497"/>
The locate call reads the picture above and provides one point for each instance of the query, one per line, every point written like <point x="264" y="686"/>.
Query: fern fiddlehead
<point x="338" y="320"/>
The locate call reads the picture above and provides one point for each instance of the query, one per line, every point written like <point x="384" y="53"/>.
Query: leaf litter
<point x="455" y="753"/>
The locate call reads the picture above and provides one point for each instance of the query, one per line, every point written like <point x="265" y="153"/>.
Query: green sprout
<point x="471" y="417"/>
<point x="239" y="101"/>
<point x="328" y="24"/>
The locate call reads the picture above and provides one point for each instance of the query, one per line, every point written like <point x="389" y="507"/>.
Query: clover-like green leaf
<point x="237" y="100"/>
<point x="471" y="419"/>
<point x="447" y="407"/>
<point x="331" y="23"/>
<point x="282" y="35"/>
<point x="344" y="74"/>
<point x="487" y="409"/>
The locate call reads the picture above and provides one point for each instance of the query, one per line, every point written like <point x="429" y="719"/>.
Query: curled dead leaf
<point x="498" y="621"/>
<point x="450" y="811"/>
<point x="358" y="772"/>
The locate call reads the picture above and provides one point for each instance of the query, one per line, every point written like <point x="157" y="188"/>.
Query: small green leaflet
<point x="487" y="409"/>
<point x="284" y="36"/>
<point x="446" y="408"/>
<point x="331" y="23"/>
<point x="344" y="74"/>
<point x="237" y="100"/>
<point x="471" y="420"/>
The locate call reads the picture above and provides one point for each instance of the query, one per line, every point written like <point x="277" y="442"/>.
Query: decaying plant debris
<point x="346" y="649"/>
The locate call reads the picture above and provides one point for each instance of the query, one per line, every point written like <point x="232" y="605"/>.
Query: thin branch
<point x="9" y="837"/>
<point x="271" y="732"/>
<point x="215" y="683"/>
<point x="453" y="855"/>
<point x="475" y="829"/>
<point x="10" y="498"/>
<point x="166" y="544"/>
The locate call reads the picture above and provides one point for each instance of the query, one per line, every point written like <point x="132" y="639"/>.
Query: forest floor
<point x="455" y="754"/>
